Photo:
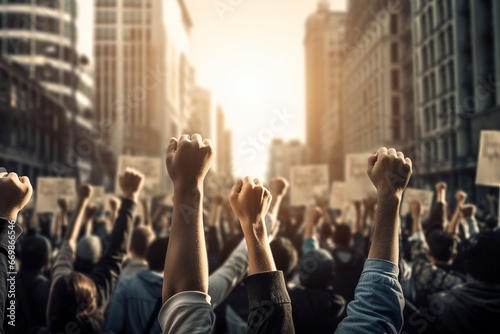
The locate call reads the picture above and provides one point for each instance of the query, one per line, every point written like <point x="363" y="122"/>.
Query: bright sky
<point x="252" y="59"/>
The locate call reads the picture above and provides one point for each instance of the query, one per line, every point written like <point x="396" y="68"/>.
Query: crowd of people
<point x="244" y="262"/>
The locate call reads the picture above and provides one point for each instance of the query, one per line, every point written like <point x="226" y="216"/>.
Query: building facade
<point x="284" y="155"/>
<point x="224" y="147"/>
<point x="457" y="67"/>
<point x="201" y="116"/>
<point x="40" y="36"/>
<point x="324" y="61"/>
<point x="377" y="91"/>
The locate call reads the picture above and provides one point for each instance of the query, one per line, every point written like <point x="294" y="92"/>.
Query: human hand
<point x="468" y="211"/>
<point x="114" y="203"/>
<point x="415" y="209"/>
<point x="460" y="196"/>
<point x="62" y="204"/>
<point x="85" y="192"/>
<point x="313" y="215"/>
<point x="188" y="161"/>
<point x="490" y="198"/>
<point x="15" y="193"/>
<point x="389" y="172"/>
<point x="279" y="186"/>
<point x="250" y="202"/>
<point x="90" y="212"/>
<point x="131" y="182"/>
<point x="440" y="186"/>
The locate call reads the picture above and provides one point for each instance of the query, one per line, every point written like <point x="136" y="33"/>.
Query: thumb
<point x="172" y="147"/>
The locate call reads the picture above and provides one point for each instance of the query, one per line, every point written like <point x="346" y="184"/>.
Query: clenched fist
<point x="131" y="182"/>
<point x="461" y="196"/>
<point x="188" y="161"/>
<point x="389" y="171"/>
<point x="313" y="215"/>
<point x="250" y="202"/>
<point x="15" y="193"/>
<point x="85" y="192"/>
<point x="279" y="186"/>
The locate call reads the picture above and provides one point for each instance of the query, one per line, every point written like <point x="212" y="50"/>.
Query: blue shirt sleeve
<point x="309" y="244"/>
<point x="378" y="303"/>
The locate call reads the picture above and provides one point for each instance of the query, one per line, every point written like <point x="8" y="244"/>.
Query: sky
<point x="250" y="55"/>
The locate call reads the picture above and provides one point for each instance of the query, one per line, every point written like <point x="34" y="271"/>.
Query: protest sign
<point x="337" y="198"/>
<point x="488" y="162"/>
<point x="150" y="167"/>
<point x="357" y="182"/>
<point x="50" y="189"/>
<point x="308" y="183"/>
<point x="423" y="196"/>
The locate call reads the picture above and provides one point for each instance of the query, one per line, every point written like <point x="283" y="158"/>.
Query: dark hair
<point x="35" y="252"/>
<point x="342" y="234"/>
<point x="316" y="269"/>
<point x="73" y="302"/>
<point x="140" y="240"/>
<point x="156" y="254"/>
<point x="481" y="257"/>
<point x="442" y="245"/>
<point x="285" y="255"/>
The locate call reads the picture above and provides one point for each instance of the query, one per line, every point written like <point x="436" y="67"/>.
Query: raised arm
<point x="266" y="287"/>
<point x="313" y="216"/>
<point x="145" y="211"/>
<point x="379" y="301"/>
<point x="84" y="194"/>
<point x="454" y="223"/>
<point x="278" y="188"/>
<point x="15" y="193"/>
<point x="186" y="267"/>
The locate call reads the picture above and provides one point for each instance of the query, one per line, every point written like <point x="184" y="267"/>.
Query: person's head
<point x="482" y="257"/>
<point x="35" y="253"/>
<point x="342" y="235"/>
<point x="73" y="303"/>
<point x="142" y="236"/>
<point x="89" y="249"/>
<point x="285" y="255"/>
<point x="156" y="253"/>
<point x="442" y="246"/>
<point x="316" y="269"/>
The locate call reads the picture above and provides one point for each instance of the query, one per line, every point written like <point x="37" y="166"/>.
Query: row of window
<point x="446" y="47"/>
<point x="129" y="34"/>
<point x="445" y="116"/>
<point x="428" y="19"/>
<point x="42" y="23"/>
<point x="446" y="80"/>
<point x="126" y="3"/>
<point x="69" y="5"/>
<point x="21" y="46"/>
<point x="129" y="17"/>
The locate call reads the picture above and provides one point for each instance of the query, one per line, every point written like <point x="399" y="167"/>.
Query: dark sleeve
<point x="9" y="232"/>
<point x="437" y="219"/>
<point x="109" y="267"/>
<point x="269" y="304"/>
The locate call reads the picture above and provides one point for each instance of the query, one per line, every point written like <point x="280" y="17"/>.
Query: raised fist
<point x="440" y="186"/>
<point x="62" y="204"/>
<point x="468" y="211"/>
<point x="279" y="186"/>
<point x="114" y="203"/>
<point x="15" y="193"/>
<point x="415" y="208"/>
<point x="188" y="160"/>
<point x="85" y="192"/>
<point x="90" y="211"/>
<point x="131" y="182"/>
<point x="249" y="201"/>
<point x="389" y="171"/>
<point x="461" y="196"/>
<point x="313" y="215"/>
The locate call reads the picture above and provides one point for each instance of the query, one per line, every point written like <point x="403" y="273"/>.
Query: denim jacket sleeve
<point x="378" y="303"/>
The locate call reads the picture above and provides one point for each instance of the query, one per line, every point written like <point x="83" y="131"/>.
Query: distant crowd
<point x="245" y="261"/>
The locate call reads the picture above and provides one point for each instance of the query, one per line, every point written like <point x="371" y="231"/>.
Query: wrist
<point x="9" y="215"/>
<point x="187" y="195"/>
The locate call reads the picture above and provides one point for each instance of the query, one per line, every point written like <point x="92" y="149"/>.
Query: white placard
<point x="50" y="189"/>
<point x="337" y="196"/>
<point x="488" y="162"/>
<point x="423" y="196"/>
<point x="98" y="195"/>
<point x="150" y="167"/>
<point x="308" y="183"/>
<point x="357" y="182"/>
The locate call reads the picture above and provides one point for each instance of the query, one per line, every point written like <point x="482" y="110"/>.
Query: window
<point x="442" y="44"/>
<point x="394" y="24"/>
<point x="444" y="113"/>
<point x="431" y="52"/>
<point x="18" y="21"/>
<point x="394" y="53"/>
<point x="106" y="17"/>
<point x="425" y="59"/>
<point x="19" y="46"/>
<point x="430" y="15"/>
<point x="433" y="85"/>
<point x="396" y="129"/>
<point x="132" y="17"/>
<point x="451" y="75"/>
<point x="104" y="34"/>
<point x="423" y="27"/>
<point x="451" y="42"/>
<point x="443" y="78"/>
<point x="106" y="3"/>
<point x="394" y="79"/>
<point x="427" y="124"/>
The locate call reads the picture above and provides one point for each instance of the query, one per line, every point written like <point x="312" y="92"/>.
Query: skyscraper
<point x="224" y="147"/>
<point x="41" y="37"/>
<point x="457" y="56"/>
<point x="201" y="116"/>
<point x="322" y="42"/>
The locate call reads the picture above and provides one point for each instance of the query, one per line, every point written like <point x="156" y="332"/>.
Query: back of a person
<point x="316" y="310"/>
<point x="349" y="265"/>
<point x="139" y="295"/>
<point x="469" y="308"/>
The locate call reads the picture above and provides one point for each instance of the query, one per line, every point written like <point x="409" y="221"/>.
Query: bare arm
<point x="145" y="211"/>
<point x="84" y="195"/>
<point x="454" y="223"/>
<point x="186" y="265"/>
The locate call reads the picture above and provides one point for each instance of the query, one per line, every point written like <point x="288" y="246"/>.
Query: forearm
<point x="145" y="213"/>
<point x="275" y="206"/>
<point x="121" y="230"/>
<point x="260" y="257"/>
<point x="453" y="225"/>
<point x="76" y="223"/>
<point x="186" y="265"/>
<point x="385" y="245"/>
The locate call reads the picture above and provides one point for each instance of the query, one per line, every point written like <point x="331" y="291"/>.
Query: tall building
<point x="41" y="37"/>
<point x="143" y="73"/>
<point x="284" y="155"/>
<point x="224" y="147"/>
<point x="324" y="62"/>
<point x="201" y="116"/>
<point x="457" y="66"/>
<point x="377" y="90"/>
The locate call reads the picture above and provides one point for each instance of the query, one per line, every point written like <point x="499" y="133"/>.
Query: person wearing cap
<point x="88" y="252"/>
